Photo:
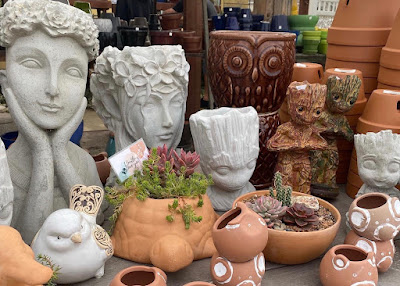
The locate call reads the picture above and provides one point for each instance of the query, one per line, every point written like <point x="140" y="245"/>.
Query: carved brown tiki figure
<point x="294" y="139"/>
<point x="341" y="96"/>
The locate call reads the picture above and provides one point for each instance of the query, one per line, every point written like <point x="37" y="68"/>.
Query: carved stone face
<point x="48" y="76"/>
<point x="342" y="93"/>
<point x="158" y="118"/>
<point x="306" y="102"/>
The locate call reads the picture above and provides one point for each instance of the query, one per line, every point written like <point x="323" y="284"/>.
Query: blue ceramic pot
<point x="257" y="18"/>
<point x="245" y="16"/>
<point x="9" y="138"/>
<point x="265" y="26"/>
<point x="231" y="23"/>
<point x="279" y="23"/>
<point x="219" y="22"/>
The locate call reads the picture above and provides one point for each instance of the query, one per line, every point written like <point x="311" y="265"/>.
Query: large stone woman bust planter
<point x="142" y="234"/>
<point x="253" y="69"/>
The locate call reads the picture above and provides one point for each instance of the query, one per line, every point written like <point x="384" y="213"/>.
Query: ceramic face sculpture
<point x="48" y="47"/>
<point x="73" y="240"/>
<point x="341" y="96"/>
<point x="294" y="139"/>
<point x="378" y="161"/>
<point x="141" y="92"/>
<point x="6" y="189"/>
<point x="227" y="142"/>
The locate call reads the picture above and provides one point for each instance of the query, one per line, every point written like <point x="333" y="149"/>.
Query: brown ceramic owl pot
<point x="227" y="273"/>
<point x="348" y="265"/>
<point x="382" y="250"/>
<point x="140" y="275"/>
<point x="375" y="216"/>
<point x="237" y="227"/>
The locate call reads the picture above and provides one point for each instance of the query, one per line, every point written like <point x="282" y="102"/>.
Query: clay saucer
<point x="367" y="69"/>
<point x="354" y="53"/>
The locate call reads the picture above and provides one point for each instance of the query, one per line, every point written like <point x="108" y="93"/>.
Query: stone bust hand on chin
<point x="44" y="86"/>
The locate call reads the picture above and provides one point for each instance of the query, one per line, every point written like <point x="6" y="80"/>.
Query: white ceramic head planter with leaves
<point x="378" y="161"/>
<point x="140" y="92"/>
<point x="6" y="189"/>
<point x="73" y="240"/>
<point x="48" y="47"/>
<point x="228" y="144"/>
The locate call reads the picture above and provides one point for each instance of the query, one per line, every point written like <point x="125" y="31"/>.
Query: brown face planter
<point x="283" y="246"/>
<point x="367" y="69"/>
<point x="142" y="234"/>
<point x="354" y="53"/>
<point x="251" y="68"/>
<point x="140" y="275"/>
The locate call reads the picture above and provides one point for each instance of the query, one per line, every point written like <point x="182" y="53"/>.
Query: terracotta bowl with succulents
<point x="300" y="227"/>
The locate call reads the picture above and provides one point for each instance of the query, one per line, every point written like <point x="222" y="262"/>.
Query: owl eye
<point x="300" y="108"/>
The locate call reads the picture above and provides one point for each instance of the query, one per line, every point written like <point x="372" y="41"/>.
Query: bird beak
<point x="76" y="237"/>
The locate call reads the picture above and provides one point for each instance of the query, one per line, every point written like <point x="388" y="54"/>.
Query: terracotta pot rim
<point x="224" y="216"/>
<point x="368" y="255"/>
<point x="136" y="268"/>
<point x="331" y="208"/>
<point x="381" y="195"/>
<point x="278" y="36"/>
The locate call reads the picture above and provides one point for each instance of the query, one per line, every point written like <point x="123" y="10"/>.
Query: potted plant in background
<point x="291" y="218"/>
<point x="162" y="214"/>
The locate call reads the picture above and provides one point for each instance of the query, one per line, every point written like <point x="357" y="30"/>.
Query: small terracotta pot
<point x="367" y="69"/>
<point x="179" y="35"/>
<point x="381" y="112"/>
<point x="347" y="265"/>
<point x="313" y="73"/>
<point x="140" y="275"/>
<point x="171" y="21"/>
<point x="375" y="216"/>
<point x="199" y="283"/>
<point x="192" y="44"/>
<point x="103" y="166"/>
<point x="389" y="76"/>
<point x="240" y="226"/>
<point x="162" y="37"/>
<point x="283" y="246"/>
<point x="354" y="53"/>
<point x="227" y="273"/>
<point x="382" y="250"/>
<point x="370" y="84"/>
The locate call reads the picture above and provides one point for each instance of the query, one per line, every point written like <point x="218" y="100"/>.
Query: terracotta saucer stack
<point x="313" y="73"/>
<point x="345" y="147"/>
<point x="359" y="32"/>
<point x="389" y="71"/>
<point x="381" y="112"/>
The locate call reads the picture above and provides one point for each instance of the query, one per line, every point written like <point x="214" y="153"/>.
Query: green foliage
<point x="46" y="261"/>
<point x="282" y="193"/>
<point x="160" y="179"/>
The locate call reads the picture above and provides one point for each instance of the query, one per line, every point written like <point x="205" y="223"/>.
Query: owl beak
<point x="76" y="237"/>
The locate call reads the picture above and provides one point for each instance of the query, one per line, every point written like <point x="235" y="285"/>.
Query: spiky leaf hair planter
<point x="268" y="208"/>
<point x="300" y="215"/>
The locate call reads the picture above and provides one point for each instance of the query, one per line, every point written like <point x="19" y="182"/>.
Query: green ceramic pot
<point x="299" y="21"/>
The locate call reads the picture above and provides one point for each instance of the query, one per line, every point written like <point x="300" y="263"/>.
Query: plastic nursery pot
<point x="140" y="275"/>
<point x="354" y="53"/>
<point x="383" y="250"/>
<point x="375" y="216"/>
<point x="367" y="69"/>
<point x="359" y="106"/>
<point x="283" y="246"/>
<point x="170" y="21"/>
<point x="381" y="112"/>
<point x="348" y="265"/>
<point x="307" y="21"/>
<point x="103" y="166"/>
<point x="279" y="23"/>
<point x="237" y="227"/>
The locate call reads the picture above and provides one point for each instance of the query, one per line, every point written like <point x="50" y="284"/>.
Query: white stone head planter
<point x="378" y="161"/>
<point x="6" y="189"/>
<point x="140" y="92"/>
<point x="227" y="141"/>
<point x="48" y="47"/>
<point x="73" y="240"/>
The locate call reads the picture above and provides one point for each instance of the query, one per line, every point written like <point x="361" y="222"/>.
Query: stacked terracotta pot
<point x="313" y="73"/>
<point x="389" y="71"/>
<point x="359" y="32"/>
<point x="381" y="112"/>
<point x="234" y="264"/>
<point x="345" y="147"/>
<point x="375" y="219"/>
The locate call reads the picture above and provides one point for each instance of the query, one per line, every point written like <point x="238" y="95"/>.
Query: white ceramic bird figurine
<point x="6" y="189"/>
<point x="73" y="240"/>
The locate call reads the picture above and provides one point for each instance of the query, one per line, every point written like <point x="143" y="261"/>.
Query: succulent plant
<point x="300" y="215"/>
<point x="269" y="208"/>
<point x="283" y="193"/>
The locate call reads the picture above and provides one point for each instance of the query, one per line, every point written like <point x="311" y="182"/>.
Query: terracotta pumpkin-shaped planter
<point x="240" y="226"/>
<point x="383" y="250"/>
<point x="142" y="234"/>
<point x="227" y="273"/>
<point x="348" y="265"/>
<point x="375" y="216"/>
<point x="17" y="261"/>
<point x="140" y="275"/>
